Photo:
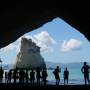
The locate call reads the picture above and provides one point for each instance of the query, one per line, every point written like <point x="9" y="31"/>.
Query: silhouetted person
<point x="66" y="75"/>
<point x="1" y="74"/>
<point x="6" y="77"/>
<point x="26" y="75"/>
<point x="38" y="76"/>
<point x="15" y="74"/>
<point x="44" y="76"/>
<point x="9" y="76"/>
<point x="85" y="71"/>
<point x="32" y="77"/>
<point x="21" y="75"/>
<point x="56" y="74"/>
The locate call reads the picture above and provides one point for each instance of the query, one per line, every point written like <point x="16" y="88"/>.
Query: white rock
<point x="29" y="55"/>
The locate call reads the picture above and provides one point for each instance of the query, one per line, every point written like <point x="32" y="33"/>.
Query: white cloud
<point x="70" y="45"/>
<point x="42" y="39"/>
<point x="8" y="48"/>
<point x="13" y="46"/>
<point x="45" y="41"/>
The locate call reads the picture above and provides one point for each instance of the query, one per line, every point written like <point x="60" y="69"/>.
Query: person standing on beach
<point x="32" y="76"/>
<point x="38" y="75"/>
<point x="44" y="76"/>
<point x="6" y="77"/>
<point x="56" y="74"/>
<point x="66" y="75"/>
<point x="1" y="74"/>
<point x="85" y="71"/>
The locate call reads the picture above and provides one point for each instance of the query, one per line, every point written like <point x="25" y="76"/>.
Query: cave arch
<point x="21" y="18"/>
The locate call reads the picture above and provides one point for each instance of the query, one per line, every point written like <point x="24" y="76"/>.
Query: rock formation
<point x="29" y="55"/>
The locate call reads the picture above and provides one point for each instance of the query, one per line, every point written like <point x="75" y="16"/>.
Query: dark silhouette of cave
<point x="18" y="18"/>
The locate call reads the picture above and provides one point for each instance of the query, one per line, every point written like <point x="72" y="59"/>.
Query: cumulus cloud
<point x="45" y="41"/>
<point x="42" y="39"/>
<point x="70" y="45"/>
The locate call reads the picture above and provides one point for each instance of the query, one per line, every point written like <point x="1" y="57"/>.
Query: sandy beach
<point x="41" y="87"/>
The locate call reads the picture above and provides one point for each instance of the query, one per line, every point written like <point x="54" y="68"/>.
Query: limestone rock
<point x="29" y="55"/>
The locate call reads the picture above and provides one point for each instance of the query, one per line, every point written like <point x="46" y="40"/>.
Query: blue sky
<point x="59" y="42"/>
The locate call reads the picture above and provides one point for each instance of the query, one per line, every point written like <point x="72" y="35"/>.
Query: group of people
<point x="22" y="75"/>
<point x="38" y="75"/>
<point x="57" y="75"/>
<point x="85" y="70"/>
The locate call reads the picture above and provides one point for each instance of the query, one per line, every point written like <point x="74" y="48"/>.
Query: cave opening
<point x="60" y="44"/>
<point x="57" y="40"/>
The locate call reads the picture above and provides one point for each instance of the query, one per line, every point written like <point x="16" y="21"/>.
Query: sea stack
<point x="29" y="55"/>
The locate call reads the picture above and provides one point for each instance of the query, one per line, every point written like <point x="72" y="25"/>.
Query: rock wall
<point x="19" y="18"/>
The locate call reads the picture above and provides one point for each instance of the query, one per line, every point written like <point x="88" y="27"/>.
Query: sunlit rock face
<point x="29" y="55"/>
